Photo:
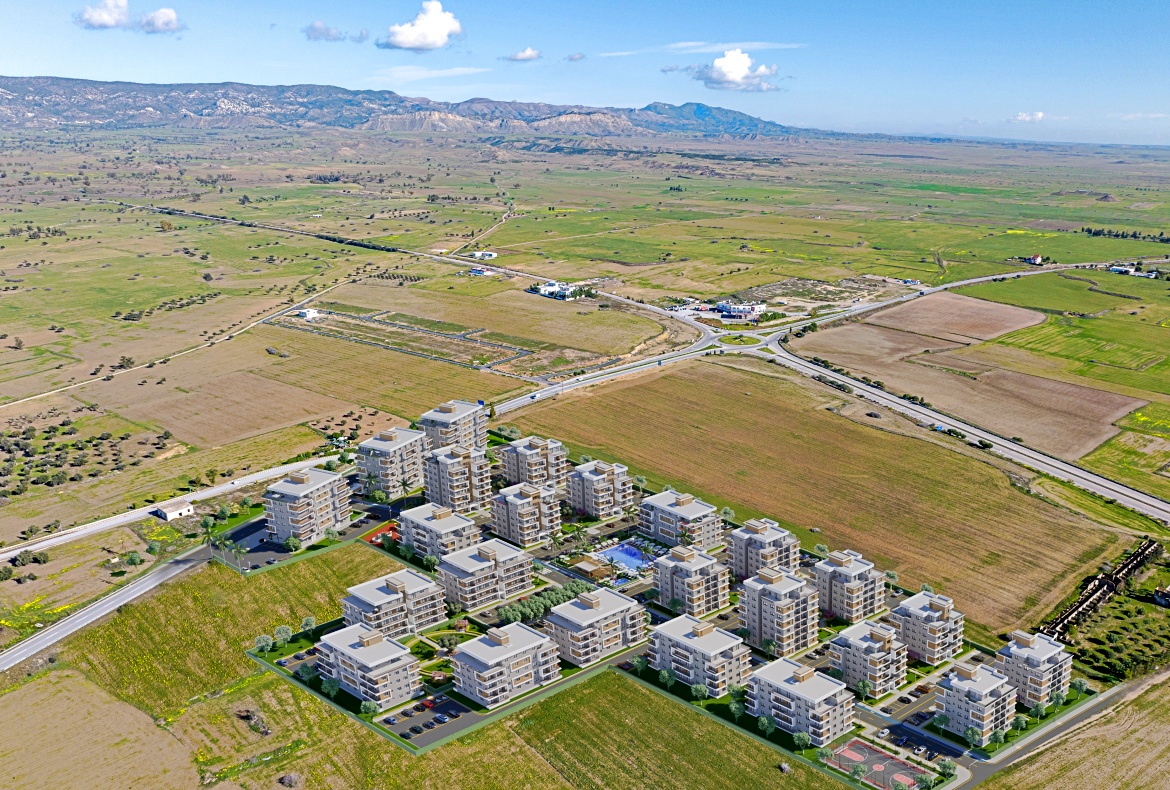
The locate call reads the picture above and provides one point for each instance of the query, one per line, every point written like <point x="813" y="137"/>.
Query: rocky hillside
<point x="48" y="102"/>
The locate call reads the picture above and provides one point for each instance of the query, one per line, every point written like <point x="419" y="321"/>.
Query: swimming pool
<point x="629" y="557"/>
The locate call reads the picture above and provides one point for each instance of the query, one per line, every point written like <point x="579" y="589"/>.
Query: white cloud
<point x="1027" y="117"/>
<point x="319" y="31"/>
<point x="528" y="53"/>
<point x="431" y="29"/>
<point x="704" y="47"/>
<point x="397" y="75"/>
<point x="575" y="57"/>
<point x="109" y="14"/>
<point x="734" y="72"/>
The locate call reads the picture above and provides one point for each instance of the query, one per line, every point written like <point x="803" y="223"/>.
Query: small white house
<point x="170" y="511"/>
<point x="744" y="310"/>
<point x="484" y="255"/>
<point x="309" y="313"/>
<point x="480" y="271"/>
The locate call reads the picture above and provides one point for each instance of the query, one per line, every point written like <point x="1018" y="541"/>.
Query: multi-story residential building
<point x="930" y="627"/>
<point x="504" y="663"/>
<point x="458" y="477"/>
<point x="596" y="624"/>
<point x="370" y="665"/>
<point x="305" y="504"/>
<point x="850" y="587"/>
<point x="456" y="422"/>
<point x="871" y="652"/>
<point x="977" y="696"/>
<point x="600" y="489"/>
<point x="778" y="607"/>
<point x="800" y="699"/>
<point x="400" y="603"/>
<point x="485" y="574"/>
<point x="698" y="652"/>
<point x="537" y="461"/>
<point x="393" y="461"/>
<point x="762" y="543"/>
<point x="1037" y="665"/>
<point x="434" y="531"/>
<point x="701" y="582"/>
<point x="526" y="514"/>
<point x="675" y="519"/>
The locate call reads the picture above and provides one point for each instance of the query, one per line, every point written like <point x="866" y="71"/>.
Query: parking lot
<point x="413" y="720"/>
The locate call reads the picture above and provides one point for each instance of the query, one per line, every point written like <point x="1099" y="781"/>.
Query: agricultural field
<point x="918" y="349"/>
<point x="1128" y="745"/>
<point x="189" y="637"/>
<point x="764" y="444"/>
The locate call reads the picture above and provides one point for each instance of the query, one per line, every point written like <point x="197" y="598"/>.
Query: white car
<point x="882" y="733"/>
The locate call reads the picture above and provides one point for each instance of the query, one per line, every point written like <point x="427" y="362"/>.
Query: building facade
<point x="393" y="461"/>
<point x="980" y="697"/>
<point x="779" y="608"/>
<point x="370" y="665"/>
<point x="699" y="581"/>
<point x="869" y="651"/>
<point x="595" y="625"/>
<point x="680" y="519"/>
<point x="434" y="531"/>
<point x="485" y="574"/>
<point x="536" y="461"/>
<point x="930" y="627"/>
<point x="1037" y="665"/>
<point x="600" y="490"/>
<point x="526" y="514"/>
<point x="400" y="603"/>
<point x="850" y="588"/>
<point x="456" y="422"/>
<point x="699" y="653"/>
<point x="800" y="699"/>
<point x="504" y="663"/>
<point x="305" y="504"/>
<point x="761" y="543"/>
<point x="458" y="477"/>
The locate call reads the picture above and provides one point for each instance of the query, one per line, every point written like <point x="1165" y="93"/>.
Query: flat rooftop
<point x="468" y="562"/>
<point x="390" y="440"/>
<point x="450" y="411"/>
<point x="598" y="469"/>
<point x="679" y="504"/>
<point x="378" y="592"/>
<point x="711" y="642"/>
<point x="786" y="583"/>
<point x="348" y="642"/>
<point x="298" y="484"/>
<point x="920" y="605"/>
<point x="446" y="521"/>
<point x="982" y="680"/>
<point x="696" y="563"/>
<point x="816" y="687"/>
<point x="766" y="531"/>
<point x="1042" y="647"/>
<point x="580" y="612"/>
<point x="847" y="563"/>
<point x="484" y="652"/>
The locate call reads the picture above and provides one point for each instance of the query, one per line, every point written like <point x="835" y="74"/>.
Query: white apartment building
<point x="800" y="699"/>
<point x="393" y="461"/>
<point x="369" y="665"/>
<point x="930" y="627"/>
<point x="456" y="422"/>
<point x="778" y="606"/>
<point x="698" y="652"/>
<point x="701" y="582"/>
<point x="485" y="574"/>
<point x="537" y="461"/>
<point x="1037" y="665"/>
<point x="434" y="531"/>
<point x="595" y="625"/>
<point x="870" y="651"/>
<point x="762" y="543"/>
<point x="526" y="514"/>
<point x="977" y="696"/>
<point x="675" y="519"/>
<point x="458" y="477"/>
<point x="397" y="604"/>
<point x="601" y="490"/>
<point x="305" y="504"/>
<point x="850" y="588"/>
<point x="504" y="663"/>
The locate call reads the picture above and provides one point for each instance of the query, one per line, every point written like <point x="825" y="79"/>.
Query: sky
<point x="1032" y="69"/>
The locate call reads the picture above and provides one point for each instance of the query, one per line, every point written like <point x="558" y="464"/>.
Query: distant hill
<point x="55" y="102"/>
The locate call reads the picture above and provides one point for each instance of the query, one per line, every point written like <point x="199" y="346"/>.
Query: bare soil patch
<point x="61" y="730"/>
<point x="959" y="318"/>
<point x="1064" y="419"/>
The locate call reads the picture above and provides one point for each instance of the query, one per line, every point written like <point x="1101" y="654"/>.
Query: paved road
<point x="131" y="516"/>
<point x="54" y="633"/>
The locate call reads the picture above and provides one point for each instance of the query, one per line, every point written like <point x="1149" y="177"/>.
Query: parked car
<point x="282" y="662"/>
<point x="405" y="735"/>
<point x="915" y="694"/>
<point x="430" y="725"/>
<point x="905" y="700"/>
<point x="299" y="656"/>
<point x="440" y="697"/>
<point x="255" y="566"/>
<point x="883" y="732"/>
<point x="417" y="730"/>
<point x="931" y="754"/>
<point x="428" y="704"/>
<point x="626" y="665"/>
<point x="420" y="707"/>
<point x="407" y="712"/>
<point x="887" y="710"/>
<point x="919" y="750"/>
<point x="922" y="688"/>
<point x="441" y="718"/>
<point x="271" y="561"/>
<point x="901" y="742"/>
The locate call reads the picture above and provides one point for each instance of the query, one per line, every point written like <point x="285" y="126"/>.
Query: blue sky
<point x="1074" y="71"/>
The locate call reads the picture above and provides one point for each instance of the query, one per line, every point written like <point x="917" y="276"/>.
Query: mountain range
<point x="56" y="102"/>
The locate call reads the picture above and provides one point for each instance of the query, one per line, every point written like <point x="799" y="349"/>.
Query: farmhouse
<point x="169" y="511"/>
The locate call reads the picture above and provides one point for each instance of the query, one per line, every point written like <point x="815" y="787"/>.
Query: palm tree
<point x="239" y="551"/>
<point x="208" y="536"/>
<point x="404" y="484"/>
<point x="222" y="543"/>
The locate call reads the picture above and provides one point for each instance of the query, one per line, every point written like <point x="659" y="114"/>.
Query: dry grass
<point x="1065" y="419"/>
<point x="950" y="316"/>
<point x="1127" y="749"/>
<point x="61" y="730"/>
<point x="766" y="445"/>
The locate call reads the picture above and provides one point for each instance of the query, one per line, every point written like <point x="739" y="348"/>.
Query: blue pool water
<point x="629" y="557"/>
